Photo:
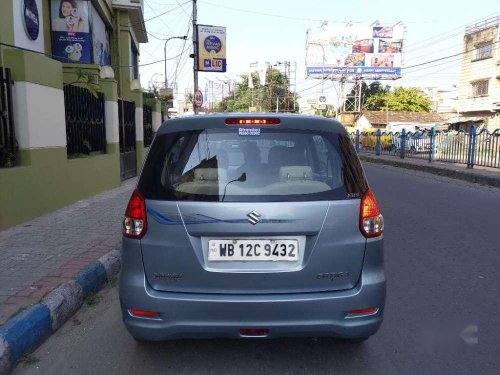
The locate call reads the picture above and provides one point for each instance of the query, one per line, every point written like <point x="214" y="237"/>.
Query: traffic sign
<point x="198" y="98"/>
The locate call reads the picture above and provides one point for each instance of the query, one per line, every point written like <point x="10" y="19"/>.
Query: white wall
<point x="112" y="122"/>
<point x="156" y="121"/>
<point x="21" y="39"/>
<point x="39" y="116"/>
<point x="139" y="126"/>
<point x="363" y="123"/>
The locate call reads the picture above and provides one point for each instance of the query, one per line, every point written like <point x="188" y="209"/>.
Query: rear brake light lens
<point x="371" y="221"/>
<point x="144" y="313"/>
<point x="135" y="221"/>
<point x="253" y="121"/>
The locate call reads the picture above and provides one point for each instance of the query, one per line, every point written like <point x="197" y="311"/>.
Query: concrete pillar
<point x="139" y="125"/>
<point x="38" y="101"/>
<point x="110" y="90"/>
<point x="156" y="116"/>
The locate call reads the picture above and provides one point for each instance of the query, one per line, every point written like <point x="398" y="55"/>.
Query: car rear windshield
<point x="252" y="165"/>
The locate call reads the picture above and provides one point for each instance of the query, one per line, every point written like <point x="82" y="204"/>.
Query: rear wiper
<point x="242" y="178"/>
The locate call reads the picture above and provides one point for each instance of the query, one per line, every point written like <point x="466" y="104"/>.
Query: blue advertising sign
<point x="31" y="19"/>
<point x="71" y="41"/>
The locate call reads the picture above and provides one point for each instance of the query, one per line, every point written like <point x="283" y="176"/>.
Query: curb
<point x="23" y="333"/>
<point x="452" y="173"/>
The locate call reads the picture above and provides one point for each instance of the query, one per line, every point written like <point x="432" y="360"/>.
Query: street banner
<point x="211" y="48"/>
<point x="70" y="31"/>
<point x="250" y="80"/>
<point x="354" y="50"/>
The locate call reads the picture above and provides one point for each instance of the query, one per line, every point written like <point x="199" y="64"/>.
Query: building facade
<point x="479" y="89"/>
<point x="75" y="120"/>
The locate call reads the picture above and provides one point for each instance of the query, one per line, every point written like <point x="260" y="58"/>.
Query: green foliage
<point x="151" y="96"/>
<point x="86" y="80"/>
<point x="264" y="97"/>
<point x="401" y="99"/>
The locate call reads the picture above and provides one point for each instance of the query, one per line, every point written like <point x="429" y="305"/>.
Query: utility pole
<point x="195" y="51"/>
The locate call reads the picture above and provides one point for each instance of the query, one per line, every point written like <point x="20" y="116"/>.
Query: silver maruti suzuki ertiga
<point x="252" y="226"/>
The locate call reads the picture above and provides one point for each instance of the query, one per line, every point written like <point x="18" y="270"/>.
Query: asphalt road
<point x="442" y="316"/>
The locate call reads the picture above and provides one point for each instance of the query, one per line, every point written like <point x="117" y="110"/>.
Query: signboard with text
<point x="211" y="48"/>
<point x="71" y="31"/>
<point x="354" y="50"/>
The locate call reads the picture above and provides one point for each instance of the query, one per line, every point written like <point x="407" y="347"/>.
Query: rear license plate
<point x="253" y="250"/>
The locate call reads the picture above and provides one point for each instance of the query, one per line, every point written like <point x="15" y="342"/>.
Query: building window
<point x="484" y="50"/>
<point x="134" y="62"/>
<point x="480" y="88"/>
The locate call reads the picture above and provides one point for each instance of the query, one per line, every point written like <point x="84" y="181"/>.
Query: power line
<point x="444" y="58"/>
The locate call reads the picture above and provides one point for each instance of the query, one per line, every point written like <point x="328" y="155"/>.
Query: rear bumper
<point x="190" y="315"/>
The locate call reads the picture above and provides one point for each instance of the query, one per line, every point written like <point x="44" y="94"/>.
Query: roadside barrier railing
<point x="471" y="148"/>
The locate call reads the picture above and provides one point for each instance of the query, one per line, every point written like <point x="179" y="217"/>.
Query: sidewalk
<point x="478" y="174"/>
<point x="37" y="256"/>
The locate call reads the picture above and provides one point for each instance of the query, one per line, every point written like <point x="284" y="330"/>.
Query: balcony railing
<point x="483" y="25"/>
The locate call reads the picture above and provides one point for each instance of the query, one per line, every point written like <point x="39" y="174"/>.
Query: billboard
<point x="211" y="48"/>
<point x="354" y="50"/>
<point x="70" y="21"/>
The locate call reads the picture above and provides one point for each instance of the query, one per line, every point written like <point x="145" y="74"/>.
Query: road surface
<point x="442" y="315"/>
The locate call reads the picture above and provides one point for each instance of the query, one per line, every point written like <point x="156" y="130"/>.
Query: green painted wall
<point x="51" y="181"/>
<point x="6" y="24"/>
<point x="33" y="67"/>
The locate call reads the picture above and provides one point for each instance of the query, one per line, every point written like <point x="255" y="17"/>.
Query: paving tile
<point x="51" y="249"/>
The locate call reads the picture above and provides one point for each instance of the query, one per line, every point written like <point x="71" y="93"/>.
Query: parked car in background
<point x="418" y="142"/>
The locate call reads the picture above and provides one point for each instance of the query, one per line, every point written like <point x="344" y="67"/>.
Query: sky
<point x="264" y="30"/>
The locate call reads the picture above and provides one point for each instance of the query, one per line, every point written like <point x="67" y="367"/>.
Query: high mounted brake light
<point x="371" y="221"/>
<point x="253" y="121"/>
<point x="135" y="221"/>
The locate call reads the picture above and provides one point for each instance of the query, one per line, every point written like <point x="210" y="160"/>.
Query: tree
<point x="401" y="99"/>
<point x="262" y="97"/>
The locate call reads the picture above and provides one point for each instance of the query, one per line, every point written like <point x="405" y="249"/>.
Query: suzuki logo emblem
<point x="253" y="217"/>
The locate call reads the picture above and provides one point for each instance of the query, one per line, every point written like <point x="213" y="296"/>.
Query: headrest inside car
<point x="295" y="173"/>
<point x="209" y="174"/>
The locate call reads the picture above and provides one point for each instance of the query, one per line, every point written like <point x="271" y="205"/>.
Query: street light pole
<point x="195" y="53"/>
<point x="165" y="54"/>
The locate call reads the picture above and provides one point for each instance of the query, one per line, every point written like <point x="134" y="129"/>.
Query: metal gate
<point x="126" y="116"/>
<point x="8" y="144"/>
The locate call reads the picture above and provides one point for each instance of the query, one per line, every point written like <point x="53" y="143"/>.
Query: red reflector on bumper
<point x="367" y="311"/>
<point x="254" y="332"/>
<point x="144" y="314"/>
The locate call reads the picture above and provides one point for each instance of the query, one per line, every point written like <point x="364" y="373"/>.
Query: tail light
<point x="135" y="222"/>
<point x="144" y="313"/>
<point x="371" y="221"/>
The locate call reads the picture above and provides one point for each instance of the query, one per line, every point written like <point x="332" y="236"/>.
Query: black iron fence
<point x="126" y="118"/>
<point x="471" y="148"/>
<point x="85" y="125"/>
<point x="147" y="112"/>
<point x="8" y="144"/>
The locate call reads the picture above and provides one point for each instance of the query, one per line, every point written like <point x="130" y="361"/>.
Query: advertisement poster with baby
<point x="70" y="31"/>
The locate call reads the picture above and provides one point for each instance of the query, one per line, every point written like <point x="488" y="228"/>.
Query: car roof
<point x="214" y="121"/>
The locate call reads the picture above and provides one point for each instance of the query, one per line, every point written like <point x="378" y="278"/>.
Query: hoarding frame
<point x="341" y="72"/>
